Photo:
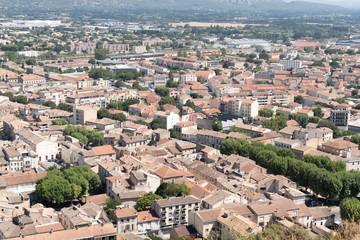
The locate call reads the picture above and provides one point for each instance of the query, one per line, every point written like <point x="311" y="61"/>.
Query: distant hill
<point x="83" y="6"/>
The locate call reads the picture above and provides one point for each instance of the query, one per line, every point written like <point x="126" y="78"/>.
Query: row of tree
<point x="311" y="172"/>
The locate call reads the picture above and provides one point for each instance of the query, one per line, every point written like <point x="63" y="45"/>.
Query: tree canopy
<point x="145" y="201"/>
<point x="158" y="123"/>
<point x="172" y="190"/>
<point x="162" y="91"/>
<point x="86" y="137"/>
<point x="323" y="176"/>
<point x="66" y="184"/>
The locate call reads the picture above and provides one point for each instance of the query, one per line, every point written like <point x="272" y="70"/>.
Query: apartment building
<point x="88" y="47"/>
<point x="82" y="114"/>
<point x="170" y="118"/>
<point x="267" y="97"/>
<point x="291" y="64"/>
<point x="116" y="48"/>
<point x="240" y="107"/>
<point x="340" y="115"/>
<point x="175" y="211"/>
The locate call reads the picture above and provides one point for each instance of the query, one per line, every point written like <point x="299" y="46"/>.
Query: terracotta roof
<point x="167" y="172"/>
<point x="103" y="150"/>
<point x="94" y="231"/>
<point x="147" y="216"/>
<point x="340" y="144"/>
<point x="126" y="212"/>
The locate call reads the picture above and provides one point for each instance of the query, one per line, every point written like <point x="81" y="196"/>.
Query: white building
<point x="46" y="150"/>
<point x="291" y="64"/>
<point x="170" y="118"/>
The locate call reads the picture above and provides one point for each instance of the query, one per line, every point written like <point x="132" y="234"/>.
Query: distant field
<point x="209" y="24"/>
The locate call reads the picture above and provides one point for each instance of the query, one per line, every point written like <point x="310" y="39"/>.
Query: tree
<point x="145" y="201"/>
<point x="329" y="82"/>
<point x="49" y="104"/>
<point x="355" y="139"/>
<point x="100" y="54"/>
<point x="172" y="190"/>
<point x="97" y="73"/>
<point x="318" y="113"/>
<point x="350" y="209"/>
<point x="158" y="123"/>
<point x="190" y="104"/>
<point x="299" y="99"/>
<point x="120" y="117"/>
<point x="171" y="83"/>
<point x="167" y="100"/>
<point x="103" y="113"/>
<point x="85" y="136"/>
<point x="66" y="184"/>
<point x="111" y="204"/>
<point x="65" y="107"/>
<point x="284" y="152"/>
<point x="92" y="61"/>
<point x="30" y="61"/>
<point x="20" y="99"/>
<point x="162" y="91"/>
<point x="266" y="113"/>
<point x="217" y="125"/>
<point x="59" y="121"/>
<point x="201" y="79"/>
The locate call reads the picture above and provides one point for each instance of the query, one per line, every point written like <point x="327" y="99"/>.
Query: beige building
<point x="175" y="211"/>
<point x="84" y="113"/>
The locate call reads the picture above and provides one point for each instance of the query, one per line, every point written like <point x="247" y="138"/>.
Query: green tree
<point x="66" y="184"/>
<point x="158" y="123"/>
<point x="172" y="190"/>
<point x="97" y="73"/>
<point x="145" y="201"/>
<point x="162" y="91"/>
<point x="92" y="61"/>
<point x="100" y="54"/>
<point x="266" y="113"/>
<point x="49" y="104"/>
<point x="329" y="82"/>
<point x="299" y="99"/>
<point x="30" y="61"/>
<point x="20" y="99"/>
<point x="59" y="121"/>
<point x="167" y="100"/>
<point x="171" y="83"/>
<point x="190" y="104"/>
<point x="111" y="204"/>
<point x="217" y="125"/>
<point x="284" y="152"/>
<point x="103" y="113"/>
<point x="120" y="117"/>
<point x="65" y="107"/>
<point x="350" y="209"/>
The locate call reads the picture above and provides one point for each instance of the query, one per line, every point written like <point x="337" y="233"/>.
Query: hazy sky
<point x="344" y="3"/>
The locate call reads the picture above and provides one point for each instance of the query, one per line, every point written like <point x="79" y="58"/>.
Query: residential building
<point x="175" y="211"/>
<point x="82" y="114"/>
<point x="340" y="115"/>
<point x="291" y="64"/>
<point x="170" y="118"/>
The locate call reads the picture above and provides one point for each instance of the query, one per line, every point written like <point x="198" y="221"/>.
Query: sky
<point x="343" y="3"/>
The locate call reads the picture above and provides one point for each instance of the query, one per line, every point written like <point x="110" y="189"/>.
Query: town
<point x="126" y="130"/>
